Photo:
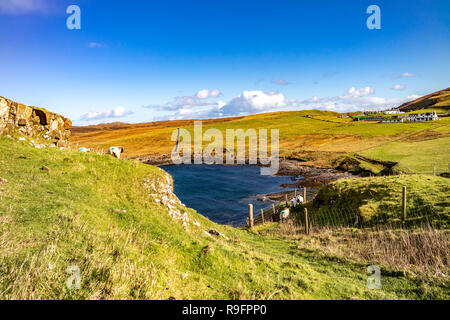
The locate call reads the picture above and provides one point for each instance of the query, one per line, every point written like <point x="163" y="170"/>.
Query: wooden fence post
<point x="286" y="200"/>
<point x="274" y="211"/>
<point x="304" y="194"/>
<point x="250" y="215"/>
<point x="306" y="221"/>
<point x="262" y="215"/>
<point x="404" y="203"/>
<point x="295" y="193"/>
<point x="434" y="170"/>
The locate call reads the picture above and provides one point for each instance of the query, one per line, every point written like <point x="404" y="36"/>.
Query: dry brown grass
<point x="424" y="251"/>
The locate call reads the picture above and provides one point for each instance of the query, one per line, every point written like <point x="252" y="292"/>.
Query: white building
<point x="427" y="116"/>
<point x="393" y="111"/>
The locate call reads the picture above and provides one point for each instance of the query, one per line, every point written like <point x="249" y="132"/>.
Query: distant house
<point x="427" y="116"/>
<point x="310" y="116"/>
<point x="392" y="111"/>
<point x="371" y="112"/>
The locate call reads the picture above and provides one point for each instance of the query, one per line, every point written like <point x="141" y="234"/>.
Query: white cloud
<point x="412" y="97"/>
<point x="118" y="112"/>
<point x="398" y="87"/>
<point x="408" y="75"/>
<point x="250" y="102"/>
<point x="361" y="92"/>
<point x="96" y="45"/>
<point x="205" y="94"/>
<point x="405" y="75"/>
<point x="245" y="103"/>
<point x="353" y="100"/>
<point x="187" y="102"/>
<point x="281" y="82"/>
<point x="23" y="6"/>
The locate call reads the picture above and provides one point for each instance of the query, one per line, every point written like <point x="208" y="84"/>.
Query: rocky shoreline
<point x="304" y="176"/>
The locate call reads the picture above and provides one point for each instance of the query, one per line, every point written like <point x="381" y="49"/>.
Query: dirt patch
<point x="426" y="135"/>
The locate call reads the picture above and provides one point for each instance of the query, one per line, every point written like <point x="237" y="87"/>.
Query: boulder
<point x="17" y="118"/>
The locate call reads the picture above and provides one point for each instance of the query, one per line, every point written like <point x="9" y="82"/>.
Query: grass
<point x="103" y="216"/>
<point x="418" y="156"/>
<point x="422" y="251"/>
<point x="439" y="99"/>
<point x="319" y="141"/>
<point x="379" y="199"/>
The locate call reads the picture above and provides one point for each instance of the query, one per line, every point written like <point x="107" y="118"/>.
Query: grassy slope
<point x="439" y="99"/>
<point x="418" y="156"/>
<point x="67" y="216"/>
<point x="381" y="197"/>
<point x="320" y="140"/>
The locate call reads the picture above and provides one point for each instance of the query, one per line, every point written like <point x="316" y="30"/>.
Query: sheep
<point x="115" y="151"/>
<point x="294" y="201"/>
<point x="284" y="214"/>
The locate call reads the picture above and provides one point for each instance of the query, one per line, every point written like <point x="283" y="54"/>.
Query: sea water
<point x="222" y="193"/>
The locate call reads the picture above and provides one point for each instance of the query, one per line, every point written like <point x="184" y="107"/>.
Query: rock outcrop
<point x="17" y="118"/>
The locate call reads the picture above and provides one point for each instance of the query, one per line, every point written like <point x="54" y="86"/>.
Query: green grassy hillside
<point x="107" y="217"/>
<point x="416" y="156"/>
<point x="379" y="199"/>
<point x="436" y="100"/>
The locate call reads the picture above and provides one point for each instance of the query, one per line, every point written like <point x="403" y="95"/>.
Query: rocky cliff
<point x="22" y="120"/>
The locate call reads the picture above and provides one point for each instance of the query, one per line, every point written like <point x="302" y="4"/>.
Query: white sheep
<point x="299" y="199"/>
<point x="284" y="214"/>
<point x="115" y="151"/>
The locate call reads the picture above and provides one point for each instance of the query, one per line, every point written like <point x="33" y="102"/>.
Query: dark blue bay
<point x="222" y="193"/>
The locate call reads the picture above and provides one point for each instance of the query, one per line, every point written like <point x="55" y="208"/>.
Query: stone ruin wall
<point x="38" y="123"/>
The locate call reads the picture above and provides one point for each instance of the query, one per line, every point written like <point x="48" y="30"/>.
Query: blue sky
<point x="137" y="61"/>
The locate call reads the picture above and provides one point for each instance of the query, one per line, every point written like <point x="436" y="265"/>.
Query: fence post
<point x="295" y="193"/>
<point x="434" y="170"/>
<point x="304" y="194"/>
<point x="250" y="215"/>
<point x="404" y="203"/>
<point x="286" y="200"/>
<point x="306" y="221"/>
<point x="274" y="212"/>
<point x="262" y="215"/>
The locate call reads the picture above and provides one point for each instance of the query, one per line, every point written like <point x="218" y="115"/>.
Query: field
<point x="62" y="210"/>
<point x="418" y="156"/>
<point x="322" y="140"/>
<point x="379" y="199"/>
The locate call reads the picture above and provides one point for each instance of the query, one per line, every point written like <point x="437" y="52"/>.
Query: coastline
<point x="313" y="178"/>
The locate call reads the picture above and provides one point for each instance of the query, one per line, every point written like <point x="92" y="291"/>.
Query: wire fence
<point x="402" y="215"/>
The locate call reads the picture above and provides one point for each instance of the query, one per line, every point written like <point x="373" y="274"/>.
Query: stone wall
<point x="38" y="123"/>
